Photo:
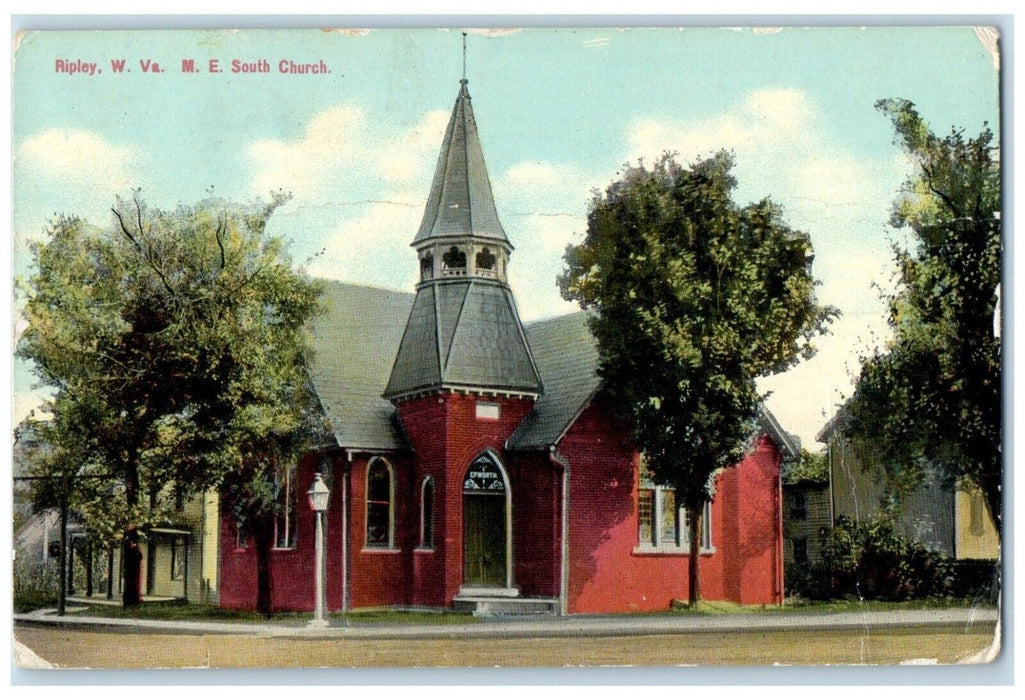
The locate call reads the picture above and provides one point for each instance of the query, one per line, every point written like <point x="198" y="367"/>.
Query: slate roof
<point x="357" y="338"/>
<point x="461" y="202"/>
<point x="354" y="342"/>
<point x="463" y="333"/>
<point x="567" y="358"/>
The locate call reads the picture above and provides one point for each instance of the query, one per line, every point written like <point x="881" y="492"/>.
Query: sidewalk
<point x="536" y="627"/>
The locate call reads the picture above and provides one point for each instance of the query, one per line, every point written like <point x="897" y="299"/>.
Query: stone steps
<point x="485" y="606"/>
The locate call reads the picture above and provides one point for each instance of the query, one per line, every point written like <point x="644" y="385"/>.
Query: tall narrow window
<point x="177" y="558"/>
<point x="284" y="519"/>
<point x="646" y="517"/>
<point x="380" y="513"/>
<point x="427" y="514"/>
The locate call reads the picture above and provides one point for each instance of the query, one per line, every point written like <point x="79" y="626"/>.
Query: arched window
<point x="284" y="518"/>
<point x="454" y="258"/>
<point x="485" y="260"/>
<point x="380" y="505"/>
<point x="427" y="513"/>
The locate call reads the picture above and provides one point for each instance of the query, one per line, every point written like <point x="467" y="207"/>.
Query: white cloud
<point x="402" y="159"/>
<point x="784" y="152"/>
<point x="310" y="164"/>
<point x="372" y="247"/>
<point x="75" y="158"/>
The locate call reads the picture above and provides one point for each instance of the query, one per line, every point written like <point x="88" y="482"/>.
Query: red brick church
<point x="475" y="462"/>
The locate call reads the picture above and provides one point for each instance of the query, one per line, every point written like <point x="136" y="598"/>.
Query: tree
<point x="174" y="343"/>
<point x="930" y="400"/>
<point x="694" y="297"/>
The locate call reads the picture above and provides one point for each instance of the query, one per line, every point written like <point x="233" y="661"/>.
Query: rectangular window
<point x="488" y="411"/>
<point x="800" y="550"/>
<point x="663" y="525"/>
<point x="798" y="505"/>
<point x="284" y="519"/>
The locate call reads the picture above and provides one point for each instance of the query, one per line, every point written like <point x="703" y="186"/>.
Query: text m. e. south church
<point x="478" y="463"/>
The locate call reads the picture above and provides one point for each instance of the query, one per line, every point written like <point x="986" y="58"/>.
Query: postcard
<point x="446" y="347"/>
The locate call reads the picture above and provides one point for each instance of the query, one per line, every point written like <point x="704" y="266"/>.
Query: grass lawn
<point x="180" y="610"/>
<point x="719" y="607"/>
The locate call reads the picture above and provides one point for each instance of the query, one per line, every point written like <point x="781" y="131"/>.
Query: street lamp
<point x="319" y="494"/>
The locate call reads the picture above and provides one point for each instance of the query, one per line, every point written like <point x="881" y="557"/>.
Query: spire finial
<point x="464" y="81"/>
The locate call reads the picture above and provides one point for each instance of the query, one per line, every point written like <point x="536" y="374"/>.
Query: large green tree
<point x="694" y="298"/>
<point x="930" y="399"/>
<point x="174" y="343"/>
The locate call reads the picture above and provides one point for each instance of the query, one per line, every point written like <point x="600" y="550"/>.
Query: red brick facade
<point x="608" y="571"/>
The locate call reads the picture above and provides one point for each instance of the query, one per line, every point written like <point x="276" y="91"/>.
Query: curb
<point x="553" y="627"/>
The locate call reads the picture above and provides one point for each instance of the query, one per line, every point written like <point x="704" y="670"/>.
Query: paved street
<point x="922" y="636"/>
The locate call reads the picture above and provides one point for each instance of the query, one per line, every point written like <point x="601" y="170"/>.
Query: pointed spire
<point x="461" y="202"/>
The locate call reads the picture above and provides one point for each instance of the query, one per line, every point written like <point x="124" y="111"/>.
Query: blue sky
<point x="559" y="112"/>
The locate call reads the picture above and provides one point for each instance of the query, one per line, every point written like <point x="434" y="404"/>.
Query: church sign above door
<point x="484" y="476"/>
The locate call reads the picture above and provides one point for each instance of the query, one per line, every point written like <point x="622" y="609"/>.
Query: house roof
<point x="463" y="334"/>
<point x="461" y="202"/>
<point x="354" y="343"/>
<point x="788" y="444"/>
<point x="567" y="359"/>
<point x="833" y="425"/>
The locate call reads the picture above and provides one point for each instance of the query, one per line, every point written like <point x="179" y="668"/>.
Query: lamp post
<point x="319" y="494"/>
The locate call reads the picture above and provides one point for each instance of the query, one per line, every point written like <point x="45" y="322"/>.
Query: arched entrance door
<point x="487" y="536"/>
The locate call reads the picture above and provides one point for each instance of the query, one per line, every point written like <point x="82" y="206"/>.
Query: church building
<point x="475" y="462"/>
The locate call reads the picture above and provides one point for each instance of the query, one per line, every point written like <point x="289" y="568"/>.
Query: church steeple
<point x="463" y="332"/>
<point x="460" y="218"/>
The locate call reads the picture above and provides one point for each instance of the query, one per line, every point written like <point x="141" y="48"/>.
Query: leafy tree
<point x="930" y="400"/>
<point x="694" y="297"/>
<point x="174" y="343"/>
<point x="806" y="468"/>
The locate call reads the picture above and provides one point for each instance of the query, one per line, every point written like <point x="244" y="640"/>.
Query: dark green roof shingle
<point x="463" y="334"/>
<point x="567" y="359"/>
<point x="354" y="342"/>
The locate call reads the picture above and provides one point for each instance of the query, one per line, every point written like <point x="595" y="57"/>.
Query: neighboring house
<point x="806" y="510"/>
<point x="952" y="522"/>
<point x="477" y="461"/>
<point x="179" y="557"/>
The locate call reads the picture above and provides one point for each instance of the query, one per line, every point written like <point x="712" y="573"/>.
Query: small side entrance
<point x="487" y="536"/>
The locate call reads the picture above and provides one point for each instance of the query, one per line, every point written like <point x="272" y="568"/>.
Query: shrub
<point x="35" y="583"/>
<point x="872" y="560"/>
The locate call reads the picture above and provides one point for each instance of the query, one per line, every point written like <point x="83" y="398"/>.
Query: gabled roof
<point x="354" y="342"/>
<point x="460" y="202"/>
<point x="567" y="360"/>
<point x="788" y="444"/>
<point x="463" y="333"/>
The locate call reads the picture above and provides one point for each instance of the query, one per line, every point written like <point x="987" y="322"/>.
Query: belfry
<point x="463" y="332"/>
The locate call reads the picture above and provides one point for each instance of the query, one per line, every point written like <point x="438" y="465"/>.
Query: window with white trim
<point x="663" y="524"/>
<point x="284" y="517"/>
<point x="427" y="513"/>
<point x="380" y="505"/>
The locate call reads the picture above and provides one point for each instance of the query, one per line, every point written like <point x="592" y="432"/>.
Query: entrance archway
<point x="487" y="529"/>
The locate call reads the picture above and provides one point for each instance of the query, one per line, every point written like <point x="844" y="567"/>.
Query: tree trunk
<point x="994" y="502"/>
<point x="62" y="587"/>
<point x="263" y="533"/>
<point x="131" y="595"/>
<point x="693" y="578"/>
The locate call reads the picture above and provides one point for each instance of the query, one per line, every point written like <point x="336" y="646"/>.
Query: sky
<point x="559" y="113"/>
